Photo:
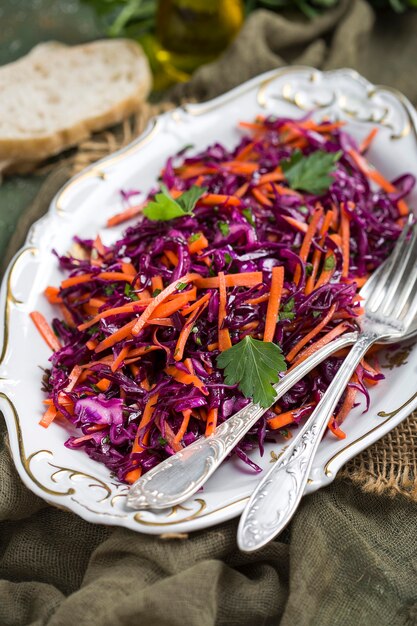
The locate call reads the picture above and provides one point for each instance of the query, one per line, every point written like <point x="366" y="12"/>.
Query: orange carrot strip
<point x="285" y="191"/>
<point x="328" y="218"/>
<point x="126" y="215"/>
<point x="185" y="332"/>
<point x="66" y="314"/>
<point x="241" y="167"/>
<point x="85" y="278"/>
<point x="245" y="279"/>
<point x="323" y="341"/>
<point x="211" y="199"/>
<point x="119" y="359"/>
<point x="156" y="282"/>
<point x="306" y="245"/>
<point x="130" y="307"/>
<point x="335" y="429"/>
<point x="224" y="335"/>
<point x="271" y="177"/>
<point x="198" y="244"/>
<point x="277" y="282"/>
<point x="345" y="234"/>
<point x="137" y="447"/>
<point x="377" y="178"/>
<point x="242" y="190"/>
<point x="211" y="422"/>
<point x="111" y="340"/>
<point x="296" y="224"/>
<point x="192" y="171"/>
<point x="186" y="379"/>
<point x="103" y="384"/>
<point x="348" y="402"/>
<point x="316" y="330"/>
<point x="140" y="323"/>
<point x="260" y="197"/>
<point x="326" y="274"/>
<point x="259" y="299"/>
<point x="281" y="420"/>
<point x="49" y="416"/>
<point x="212" y="346"/>
<point x="52" y="295"/>
<point x="184" y="424"/>
<point x="91" y="344"/>
<point x="45" y="330"/>
<point x="245" y="152"/>
<point x="196" y="304"/>
<point x="172" y="257"/>
<point x="168" y="308"/>
<point x="368" y="140"/>
<point x="127" y="268"/>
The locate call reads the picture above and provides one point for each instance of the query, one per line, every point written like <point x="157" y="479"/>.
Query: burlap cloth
<point x="349" y="555"/>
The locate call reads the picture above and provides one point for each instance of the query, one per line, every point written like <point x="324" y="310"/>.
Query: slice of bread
<point x="57" y="95"/>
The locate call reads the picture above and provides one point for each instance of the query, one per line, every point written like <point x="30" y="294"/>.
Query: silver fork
<point x="389" y="313"/>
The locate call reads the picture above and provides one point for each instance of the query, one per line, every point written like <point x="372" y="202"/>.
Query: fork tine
<point x="409" y="310"/>
<point x="400" y="287"/>
<point x="388" y="271"/>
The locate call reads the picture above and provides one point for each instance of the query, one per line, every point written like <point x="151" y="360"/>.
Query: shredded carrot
<point x="198" y="244"/>
<point x="328" y="218"/>
<point x="245" y="279"/>
<point x="185" y="332"/>
<point x="348" y="402"/>
<point x="245" y="152"/>
<point x="323" y="341"/>
<point x="260" y="197"/>
<point x="211" y="199"/>
<point x="192" y="171"/>
<point x="212" y="346"/>
<point x="140" y="323"/>
<point x="119" y="335"/>
<point x="196" y="304"/>
<point x="224" y="335"/>
<point x="211" y="421"/>
<point x="119" y="359"/>
<point x="313" y="333"/>
<point x="157" y="284"/>
<point x="49" y="416"/>
<point x="91" y="344"/>
<point x="377" y="178"/>
<point x="296" y="224"/>
<point x="186" y="379"/>
<point x="137" y="447"/>
<point x="126" y="215"/>
<point x="281" y="420"/>
<point x="345" y="234"/>
<point x="277" y="282"/>
<point x="184" y="425"/>
<point x="368" y="140"/>
<point x="127" y="268"/>
<point x="326" y="274"/>
<point x="306" y="245"/>
<point x="130" y="307"/>
<point x="259" y="299"/>
<point x="168" y="308"/>
<point x="103" y="384"/>
<point x="85" y="278"/>
<point x="335" y="429"/>
<point x="52" y="295"/>
<point x="271" y="177"/>
<point x="45" y="330"/>
<point x="67" y="315"/>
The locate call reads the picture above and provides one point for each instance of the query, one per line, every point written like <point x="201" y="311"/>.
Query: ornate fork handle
<point x="276" y="497"/>
<point x="176" y="479"/>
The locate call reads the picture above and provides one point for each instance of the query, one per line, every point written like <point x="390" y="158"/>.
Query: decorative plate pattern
<point x="68" y="478"/>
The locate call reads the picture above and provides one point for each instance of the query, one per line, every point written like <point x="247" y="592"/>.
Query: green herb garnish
<point x="311" y="173"/>
<point x="228" y="258"/>
<point x="163" y="207"/>
<point x="224" y="228"/>
<point x="156" y="292"/>
<point x="287" y="311"/>
<point x="110" y="289"/>
<point x="129" y="292"/>
<point x="162" y="441"/>
<point x="181" y="286"/>
<point x="329" y="263"/>
<point x="249" y="216"/>
<point x="253" y="365"/>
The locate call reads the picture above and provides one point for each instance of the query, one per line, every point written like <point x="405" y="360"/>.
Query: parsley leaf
<point x="163" y="207"/>
<point x="162" y="441"/>
<point x="156" y="292"/>
<point x="311" y="173"/>
<point x="255" y="366"/>
<point x="227" y="258"/>
<point x="249" y="216"/>
<point x="110" y="289"/>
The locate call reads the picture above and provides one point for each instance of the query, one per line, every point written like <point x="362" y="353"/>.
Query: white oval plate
<point x="69" y="478"/>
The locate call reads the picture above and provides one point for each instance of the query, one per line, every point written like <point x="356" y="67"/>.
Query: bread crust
<point x="41" y="146"/>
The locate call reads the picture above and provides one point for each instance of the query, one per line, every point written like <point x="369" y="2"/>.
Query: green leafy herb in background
<point x="163" y="207"/>
<point x="311" y="173"/>
<point x="134" y="18"/>
<point x="253" y="365"/>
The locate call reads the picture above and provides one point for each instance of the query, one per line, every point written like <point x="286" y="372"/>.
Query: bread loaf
<point x="57" y="95"/>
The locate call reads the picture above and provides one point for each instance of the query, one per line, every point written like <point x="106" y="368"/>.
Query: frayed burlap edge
<point x="387" y="467"/>
<point x="390" y="465"/>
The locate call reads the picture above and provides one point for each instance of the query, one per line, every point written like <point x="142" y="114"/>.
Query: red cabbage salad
<point x="239" y="265"/>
